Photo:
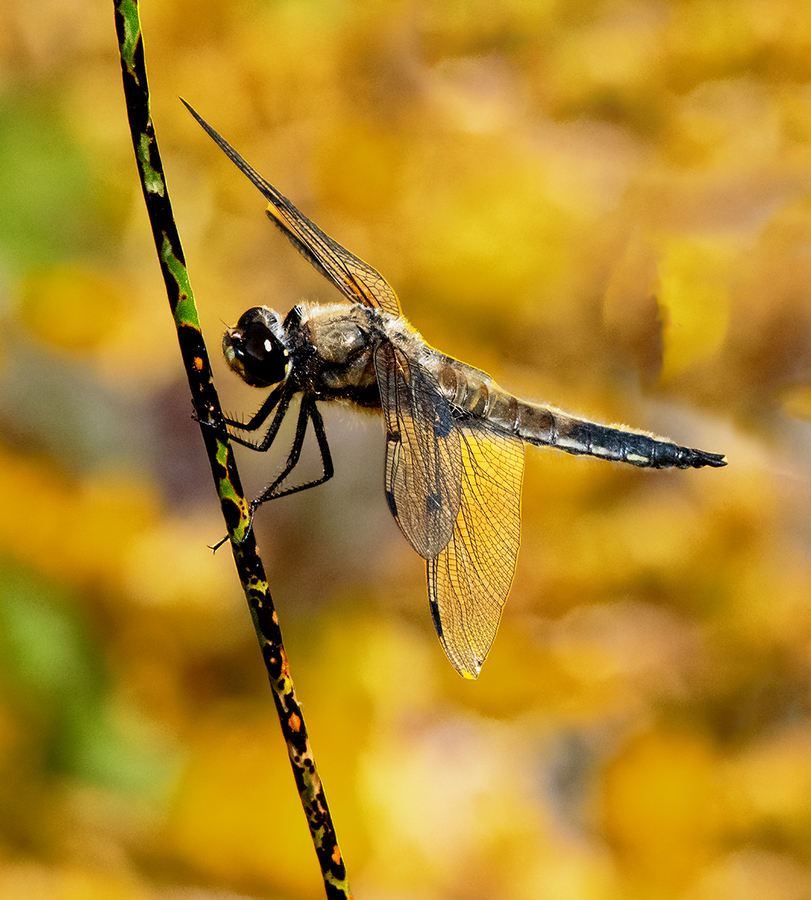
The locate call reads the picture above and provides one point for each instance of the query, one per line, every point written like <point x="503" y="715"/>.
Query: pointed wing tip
<point x="190" y="108"/>
<point x="469" y="669"/>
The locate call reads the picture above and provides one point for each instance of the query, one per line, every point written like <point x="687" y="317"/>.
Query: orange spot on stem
<point x="285" y="665"/>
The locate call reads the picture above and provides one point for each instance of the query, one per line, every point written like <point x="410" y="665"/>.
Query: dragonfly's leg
<point x="270" y="435"/>
<point x="308" y="412"/>
<point x="327" y="469"/>
<point x="260" y="416"/>
<point x="278" y="400"/>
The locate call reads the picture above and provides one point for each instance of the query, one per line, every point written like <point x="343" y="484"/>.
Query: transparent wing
<point x="423" y="452"/>
<point x="352" y="276"/>
<point x="469" y="580"/>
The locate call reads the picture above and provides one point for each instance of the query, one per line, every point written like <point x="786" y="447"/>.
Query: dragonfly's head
<point x="254" y="348"/>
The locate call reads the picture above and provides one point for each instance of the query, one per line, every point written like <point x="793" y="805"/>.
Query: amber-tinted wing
<point x="469" y="580"/>
<point x="352" y="276"/>
<point x="424" y="469"/>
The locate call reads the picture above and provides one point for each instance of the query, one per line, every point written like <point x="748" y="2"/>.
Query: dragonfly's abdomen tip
<point x="702" y="458"/>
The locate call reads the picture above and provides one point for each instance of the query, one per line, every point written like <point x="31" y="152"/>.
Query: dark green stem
<point x="218" y="447"/>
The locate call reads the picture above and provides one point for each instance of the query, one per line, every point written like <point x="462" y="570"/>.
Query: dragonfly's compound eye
<point x="253" y="351"/>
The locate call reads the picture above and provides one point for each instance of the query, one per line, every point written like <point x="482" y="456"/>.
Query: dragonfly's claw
<point x="208" y="423"/>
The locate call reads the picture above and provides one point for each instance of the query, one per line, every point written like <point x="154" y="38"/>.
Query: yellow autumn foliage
<point x="605" y="205"/>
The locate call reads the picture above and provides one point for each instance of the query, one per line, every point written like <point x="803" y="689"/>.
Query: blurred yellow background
<point x="603" y="204"/>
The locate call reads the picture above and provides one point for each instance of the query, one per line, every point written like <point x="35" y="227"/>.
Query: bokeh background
<point x="604" y="204"/>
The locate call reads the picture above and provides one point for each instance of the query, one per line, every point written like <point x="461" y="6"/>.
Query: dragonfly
<point x="454" y="439"/>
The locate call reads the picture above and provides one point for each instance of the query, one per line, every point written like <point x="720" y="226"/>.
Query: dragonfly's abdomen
<point x="582" y="437"/>
<point x="550" y="427"/>
<point x="473" y="393"/>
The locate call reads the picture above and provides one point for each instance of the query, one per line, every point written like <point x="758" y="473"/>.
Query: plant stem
<point x="220" y="453"/>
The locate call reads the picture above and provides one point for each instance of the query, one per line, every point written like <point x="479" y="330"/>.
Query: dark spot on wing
<point x="432" y="605"/>
<point x="392" y="503"/>
<point x="433" y="502"/>
<point x="393" y="437"/>
<point x="443" y="421"/>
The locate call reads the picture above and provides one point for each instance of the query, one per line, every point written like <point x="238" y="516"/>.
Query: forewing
<point x="423" y="452"/>
<point x="352" y="276"/>
<point x="469" y="580"/>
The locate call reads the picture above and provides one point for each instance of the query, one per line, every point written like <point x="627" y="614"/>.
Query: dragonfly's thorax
<point x="332" y="349"/>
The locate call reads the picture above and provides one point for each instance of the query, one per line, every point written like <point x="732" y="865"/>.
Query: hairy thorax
<point x="335" y="345"/>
